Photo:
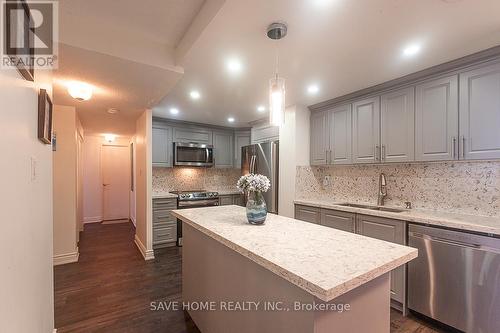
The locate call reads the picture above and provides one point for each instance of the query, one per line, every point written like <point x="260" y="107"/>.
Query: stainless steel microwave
<point x="193" y="154"/>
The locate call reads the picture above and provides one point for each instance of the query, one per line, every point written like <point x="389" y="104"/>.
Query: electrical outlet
<point x="327" y="180"/>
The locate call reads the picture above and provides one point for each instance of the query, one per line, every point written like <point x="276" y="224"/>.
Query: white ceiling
<point x="342" y="45"/>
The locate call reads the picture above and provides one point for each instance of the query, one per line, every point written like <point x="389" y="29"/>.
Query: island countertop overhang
<point x="322" y="261"/>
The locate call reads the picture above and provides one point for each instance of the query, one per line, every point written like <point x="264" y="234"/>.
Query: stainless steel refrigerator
<point x="263" y="158"/>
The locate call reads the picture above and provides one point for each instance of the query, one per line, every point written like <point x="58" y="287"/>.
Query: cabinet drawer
<point x="307" y="213"/>
<point x="162" y="217"/>
<point x="164" y="203"/>
<point x="164" y="234"/>
<point x="238" y="200"/>
<point x="225" y="200"/>
<point x="338" y="220"/>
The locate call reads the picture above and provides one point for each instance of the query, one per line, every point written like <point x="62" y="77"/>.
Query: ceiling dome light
<point x="195" y="94"/>
<point x="230" y="119"/>
<point x="113" y="111"/>
<point x="411" y="50"/>
<point x="234" y="66"/>
<point x="174" y="111"/>
<point x="109" y="137"/>
<point x="261" y="108"/>
<point x="80" y="90"/>
<point x="313" y="89"/>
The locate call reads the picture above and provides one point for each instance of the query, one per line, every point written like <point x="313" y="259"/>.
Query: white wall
<point x="65" y="122"/>
<point x="144" y="179"/>
<point x="26" y="282"/>
<point x="92" y="176"/>
<point x="294" y="151"/>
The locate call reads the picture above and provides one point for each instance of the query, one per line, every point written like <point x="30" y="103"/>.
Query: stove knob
<point x="182" y="196"/>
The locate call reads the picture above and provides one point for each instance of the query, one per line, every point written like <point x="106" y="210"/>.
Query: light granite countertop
<point x="163" y="195"/>
<point x="475" y="223"/>
<point x="322" y="261"/>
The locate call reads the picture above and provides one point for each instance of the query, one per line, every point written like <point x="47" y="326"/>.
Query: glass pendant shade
<point x="276" y="100"/>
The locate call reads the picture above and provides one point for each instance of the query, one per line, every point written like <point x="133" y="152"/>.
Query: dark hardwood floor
<point x="111" y="287"/>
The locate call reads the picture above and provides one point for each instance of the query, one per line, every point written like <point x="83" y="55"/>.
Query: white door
<point x="115" y="163"/>
<point x="397" y="126"/>
<point x="366" y="130"/>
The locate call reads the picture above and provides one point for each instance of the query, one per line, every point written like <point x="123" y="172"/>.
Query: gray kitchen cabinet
<point x="264" y="132"/>
<point x="192" y="135"/>
<point x="339" y="133"/>
<point x="319" y="138"/>
<point x="308" y="214"/>
<point x="397" y="126"/>
<point x="338" y="220"/>
<point x="366" y="130"/>
<point x="223" y="149"/>
<point x="162" y="147"/>
<point x="231" y="199"/>
<point x="391" y="231"/>
<point x="480" y="113"/>
<point x="164" y="223"/>
<point x="241" y="139"/>
<point x="238" y="199"/>
<point x="436" y="120"/>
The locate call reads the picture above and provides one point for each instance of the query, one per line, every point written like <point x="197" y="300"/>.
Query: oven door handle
<point x="198" y="203"/>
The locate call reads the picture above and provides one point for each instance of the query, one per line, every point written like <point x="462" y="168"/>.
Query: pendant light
<point x="276" y="31"/>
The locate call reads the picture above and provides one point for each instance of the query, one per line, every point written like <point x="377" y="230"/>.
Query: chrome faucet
<point x="382" y="189"/>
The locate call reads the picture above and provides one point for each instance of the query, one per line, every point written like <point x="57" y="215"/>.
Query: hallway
<point x="111" y="287"/>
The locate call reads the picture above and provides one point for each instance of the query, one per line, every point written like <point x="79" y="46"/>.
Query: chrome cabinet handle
<point x="383" y="153"/>
<point x="463" y="146"/>
<point x="377" y="153"/>
<point x="331" y="155"/>
<point x="453" y="144"/>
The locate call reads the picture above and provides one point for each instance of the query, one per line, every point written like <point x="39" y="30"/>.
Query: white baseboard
<point x="66" y="258"/>
<point x="55" y="330"/>
<point x="146" y="254"/>
<point x="92" y="219"/>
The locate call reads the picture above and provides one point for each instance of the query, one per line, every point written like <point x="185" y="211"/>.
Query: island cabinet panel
<point x="436" y="120"/>
<point x="319" y="138"/>
<point x="162" y="147"/>
<point x="223" y="149"/>
<point x="164" y="223"/>
<point x="397" y="126"/>
<point x="192" y="135"/>
<point x="225" y="200"/>
<point x="308" y="214"/>
<point x="339" y="220"/>
<point x="391" y="231"/>
<point x="238" y="199"/>
<point x="480" y="113"/>
<point x="366" y="130"/>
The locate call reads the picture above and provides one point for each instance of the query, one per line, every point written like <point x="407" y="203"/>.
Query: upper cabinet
<point x="319" y="138"/>
<point x="223" y="149"/>
<point x="241" y="139"/>
<point x="339" y="132"/>
<point x="397" y="123"/>
<point x="480" y="113"/>
<point x="436" y="120"/>
<point x="366" y="130"/>
<point x="193" y="135"/>
<point x="162" y="146"/>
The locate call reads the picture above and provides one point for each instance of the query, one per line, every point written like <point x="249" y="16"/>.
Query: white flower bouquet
<point x="253" y="183"/>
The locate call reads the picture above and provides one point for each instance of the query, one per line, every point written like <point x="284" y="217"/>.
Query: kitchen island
<point x="283" y="276"/>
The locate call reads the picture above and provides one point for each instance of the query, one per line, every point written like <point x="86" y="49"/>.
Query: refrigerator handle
<point x="252" y="164"/>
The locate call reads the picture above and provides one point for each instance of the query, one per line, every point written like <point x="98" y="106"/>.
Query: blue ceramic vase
<point x="256" y="208"/>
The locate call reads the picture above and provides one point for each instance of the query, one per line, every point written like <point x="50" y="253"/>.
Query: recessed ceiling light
<point x="230" y="119"/>
<point x="411" y="50"/>
<point x="174" y="111"/>
<point x="261" y="108"/>
<point x="234" y="65"/>
<point x="313" y="89"/>
<point x="195" y="94"/>
<point x="80" y="90"/>
<point x="113" y="111"/>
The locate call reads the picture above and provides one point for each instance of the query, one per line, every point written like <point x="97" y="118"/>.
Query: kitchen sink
<point x="380" y="208"/>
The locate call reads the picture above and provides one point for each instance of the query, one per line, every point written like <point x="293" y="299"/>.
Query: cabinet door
<point x="480" y="113"/>
<point x="238" y="199"/>
<point x="223" y="149"/>
<point x="436" y="120"/>
<point x="390" y="231"/>
<point x="397" y="126"/>
<point x="307" y="213"/>
<point x="225" y="200"/>
<point x="338" y="220"/>
<point x="366" y="130"/>
<point x="340" y="129"/>
<point x="162" y="147"/>
<point x="192" y="135"/>
<point x="241" y="139"/>
<point x="319" y="138"/>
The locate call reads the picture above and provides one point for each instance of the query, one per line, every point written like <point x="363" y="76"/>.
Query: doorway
<point x="115" y="164"/>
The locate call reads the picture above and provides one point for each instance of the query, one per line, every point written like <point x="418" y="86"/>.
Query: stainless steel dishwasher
<point x="456" y="278"/>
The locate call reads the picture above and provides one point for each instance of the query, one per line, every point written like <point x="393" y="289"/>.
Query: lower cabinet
<point x="231" y="199"/>
<point x="371" y="226"/>
<point x="164" y="223"/>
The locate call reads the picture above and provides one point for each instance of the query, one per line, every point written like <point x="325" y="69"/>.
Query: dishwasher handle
<point x="452" y="242"/>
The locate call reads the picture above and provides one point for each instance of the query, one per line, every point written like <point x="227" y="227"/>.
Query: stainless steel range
<point x="193" y="199"/>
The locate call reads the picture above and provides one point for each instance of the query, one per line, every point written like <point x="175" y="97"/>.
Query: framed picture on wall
<point x="44" y="117"/>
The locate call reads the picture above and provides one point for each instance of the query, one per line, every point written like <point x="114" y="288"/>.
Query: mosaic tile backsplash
<point x="460" y="187"/>
<point x="184" y="179"/>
